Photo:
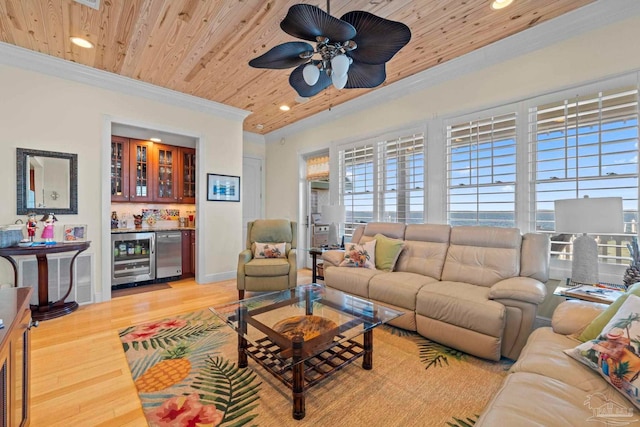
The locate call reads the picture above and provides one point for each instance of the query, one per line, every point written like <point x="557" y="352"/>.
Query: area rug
<point x="185" y="370"/>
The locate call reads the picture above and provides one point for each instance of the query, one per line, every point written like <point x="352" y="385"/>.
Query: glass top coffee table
<point x="303" y="335"/>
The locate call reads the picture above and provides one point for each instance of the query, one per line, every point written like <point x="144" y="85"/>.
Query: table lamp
<point x="334" y="215"/>
<point x="601" y="215"/>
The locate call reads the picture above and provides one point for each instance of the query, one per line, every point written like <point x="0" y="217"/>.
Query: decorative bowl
<point x="308" y="326"/>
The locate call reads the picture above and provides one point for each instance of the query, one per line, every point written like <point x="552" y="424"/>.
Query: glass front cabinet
<point x="144" y="171"/>
<point x="131" y="161"/>
<point x="188" y="177"/>
<point x="166" y="157"/>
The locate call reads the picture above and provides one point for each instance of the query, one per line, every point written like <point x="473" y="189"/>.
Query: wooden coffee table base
<point x="300" y="376"/>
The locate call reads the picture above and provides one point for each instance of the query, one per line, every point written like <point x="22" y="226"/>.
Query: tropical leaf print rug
<point x="185" y="370"/>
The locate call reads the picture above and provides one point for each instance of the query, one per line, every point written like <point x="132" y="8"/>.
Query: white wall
<point x="604" y="52"/>
<point x="43" y="112"/>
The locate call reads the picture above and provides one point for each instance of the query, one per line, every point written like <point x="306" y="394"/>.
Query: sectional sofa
<point x="546" y="387"/>
<point x="475" y="289"/>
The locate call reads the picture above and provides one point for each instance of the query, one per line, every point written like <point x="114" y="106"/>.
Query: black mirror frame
<point x="21" y="190"/>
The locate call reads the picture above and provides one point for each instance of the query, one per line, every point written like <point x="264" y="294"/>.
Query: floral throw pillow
<point x="360" y="255"/>
<point x="270" y="250"/>
<point x="615" y="352"/>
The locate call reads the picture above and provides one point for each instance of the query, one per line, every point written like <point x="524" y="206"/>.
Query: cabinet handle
<point x="33" y="324"/>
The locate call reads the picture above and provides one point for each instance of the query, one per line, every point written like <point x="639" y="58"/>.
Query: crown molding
<point x="571" y="24"/>
<point x="19" y="57"/>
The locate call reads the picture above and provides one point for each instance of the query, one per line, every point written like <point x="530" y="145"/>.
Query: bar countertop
<point x="150" y="229"/>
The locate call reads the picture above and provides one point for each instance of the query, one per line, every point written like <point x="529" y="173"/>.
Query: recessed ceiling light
<point x="155" y="139"/>
<point x="79" y="41"/>
<point x="500" y="4"/>
<point x="259" y="126"/>
<point x="285" y="108"/>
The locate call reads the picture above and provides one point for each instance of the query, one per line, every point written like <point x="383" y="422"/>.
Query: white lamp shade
<point x="339" y="82"/>
<point x="340" y="65"/>
<point x="601" y="215"/>
<point x="333" y="214"/>
<point x="310" y="74"/>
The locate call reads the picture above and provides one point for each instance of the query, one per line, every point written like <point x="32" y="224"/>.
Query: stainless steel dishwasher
<point x="168" y="254"/>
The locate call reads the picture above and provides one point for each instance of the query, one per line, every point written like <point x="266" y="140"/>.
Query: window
<point x="481" y="168"/>
<point x="383" y="181"/>
<point x="401" y="180"/>
<point x="587" y="146"/>
<point x="356" y="185"/>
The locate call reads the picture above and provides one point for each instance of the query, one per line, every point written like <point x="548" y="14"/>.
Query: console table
<point x="46" y="309"/>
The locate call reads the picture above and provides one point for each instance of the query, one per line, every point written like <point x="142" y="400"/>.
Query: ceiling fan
<point x="351" y="52"/>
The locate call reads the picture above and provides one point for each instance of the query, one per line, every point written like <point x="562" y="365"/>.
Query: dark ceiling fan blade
<point x="365" y="75"/>
<point x="378" y="39"/>
<point x="284" y="55"/>
<point x="307" y="22"/>
<point x="296" y="80"/>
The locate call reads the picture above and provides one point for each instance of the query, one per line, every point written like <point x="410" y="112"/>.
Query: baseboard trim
<point x="217" y="277"/>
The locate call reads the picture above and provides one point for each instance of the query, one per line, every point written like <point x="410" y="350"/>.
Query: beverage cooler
<point x="132" y="257"/>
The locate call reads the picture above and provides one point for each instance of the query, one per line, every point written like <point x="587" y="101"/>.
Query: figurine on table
<point x="114" y="219"/>
<point x="32" y="224"/>
<point x="47" y="232"/>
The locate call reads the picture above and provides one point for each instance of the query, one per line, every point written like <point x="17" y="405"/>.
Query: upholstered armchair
<point x="264" y="273"/>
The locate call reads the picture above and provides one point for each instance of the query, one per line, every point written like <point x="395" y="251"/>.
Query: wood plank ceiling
<point x="202" y="47"/>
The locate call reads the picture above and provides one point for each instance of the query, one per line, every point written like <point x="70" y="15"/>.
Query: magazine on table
<point x="594" y="293"/>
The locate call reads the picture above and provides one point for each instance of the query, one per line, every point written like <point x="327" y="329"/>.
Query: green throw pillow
<point x="596" y="325"/>
<point x="387" y="252"/>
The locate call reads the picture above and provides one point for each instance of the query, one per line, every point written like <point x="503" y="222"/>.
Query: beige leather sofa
<point x="545" y="387"/>
<point x="475" y="289"/>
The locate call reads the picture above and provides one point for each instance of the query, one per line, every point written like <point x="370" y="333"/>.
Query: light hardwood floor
<point x="79" y="374"/>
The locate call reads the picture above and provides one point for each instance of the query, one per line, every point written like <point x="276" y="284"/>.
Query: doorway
<point x="316" y="195"/>
<point x="138" y="130"/>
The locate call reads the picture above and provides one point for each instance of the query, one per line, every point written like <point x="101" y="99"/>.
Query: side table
<point x="604" y="295"/>
<point x="46" y="309"/>
<point x="314" y="252"/>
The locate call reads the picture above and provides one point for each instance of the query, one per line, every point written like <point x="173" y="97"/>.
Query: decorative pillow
<point x="360" y="255"/>
<point x="614" y="354"/>
<point x="594" y="328"/>
<point x="270" y="250"/>
<point x="387" y="252"/>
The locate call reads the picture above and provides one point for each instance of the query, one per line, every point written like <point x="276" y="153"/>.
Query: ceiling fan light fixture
<point x="340" y="65"/>
<point x="339" y="82"/>
<point x="311" y="74"/>
<point x="500" y="4"/>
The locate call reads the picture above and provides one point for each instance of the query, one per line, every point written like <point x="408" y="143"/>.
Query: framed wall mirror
<point x="47" y="181"/>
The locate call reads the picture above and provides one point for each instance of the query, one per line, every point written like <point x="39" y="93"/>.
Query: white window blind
<point x="401" y="180"/>
<point x="357" y="185"/>
<point x="587" y="145"/>
<point x="481" y="168"/>
<point x="383" y="180"/>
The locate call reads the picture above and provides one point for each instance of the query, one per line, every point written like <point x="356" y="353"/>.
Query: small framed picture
<point x="223" y="188"/>
<point x="74" y="233"/>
